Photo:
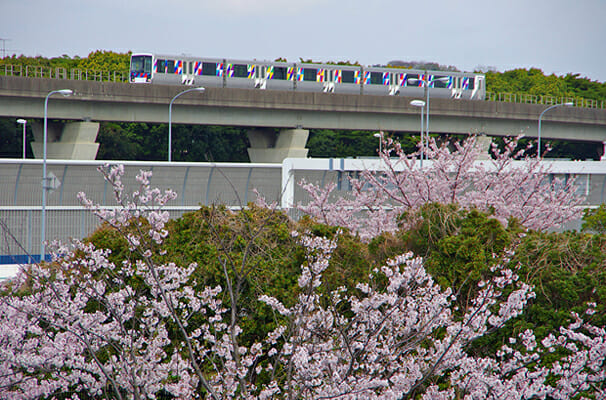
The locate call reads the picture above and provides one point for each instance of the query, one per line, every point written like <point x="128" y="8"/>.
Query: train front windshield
<point x="140" y="68"/>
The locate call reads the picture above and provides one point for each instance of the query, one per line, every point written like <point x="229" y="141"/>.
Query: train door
<point x="261" y="77"/>
<point x="395" y="82"/>
<point x="457" y="88"/>
<point x="279" y="76"/>
<point x="188" y="78"/>
<point x="479" y="90"/>
<point x="310" y="78"/>
<point x="348" y="80"/>
<point x="329" y="81"/>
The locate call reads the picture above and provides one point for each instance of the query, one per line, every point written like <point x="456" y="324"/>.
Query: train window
<point x="170" y="66"/>
<point x="348" y="76"/>
<point x="413" y="80"/>
<point x="279" y="73"/>
<point x="161" y="66"/>
<point x="472" y="82"/>
<point x="147" y="66"/>
<point x="376" y="78"/>
<point x="440" y="82"/>
<point x="141" y="64"/>
<point x="240" y="71"/>
<point x="209" y="69"/>
<point x="310" y="74"/>
<point x="467" y="83"/>
<point x="331" y="75"/>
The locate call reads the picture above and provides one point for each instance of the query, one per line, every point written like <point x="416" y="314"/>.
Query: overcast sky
<point x="556" y="36"/>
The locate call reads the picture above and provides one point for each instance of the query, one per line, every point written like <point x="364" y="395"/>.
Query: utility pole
<point x="3" y="49"/>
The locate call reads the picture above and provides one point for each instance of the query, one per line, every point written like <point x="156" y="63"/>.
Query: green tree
<point x="102" y="60"/>
<point x="594" y="221"/>
<point x="149" y="142"/>
<point x="342" y="144"/>
<point x="534" y="81"/>
<point x="9" y="138"/>
<point x="254" y="248"/>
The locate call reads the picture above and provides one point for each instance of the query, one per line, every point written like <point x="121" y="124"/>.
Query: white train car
<point x="306" y="77"/>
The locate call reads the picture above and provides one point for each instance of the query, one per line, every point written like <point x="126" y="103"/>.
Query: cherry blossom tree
<point x="84" y="327"/>
<point x="406" y="339"/>
<point x="501" y="185"/>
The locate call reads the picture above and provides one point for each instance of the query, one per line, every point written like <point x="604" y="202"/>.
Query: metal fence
<point x="546" y="100"/>
<point x="196" y="184"/>
<point x="21" y="233"/>
<point x="29" y="71"/>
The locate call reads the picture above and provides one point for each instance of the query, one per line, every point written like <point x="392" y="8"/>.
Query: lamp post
<point x="24" y="123"/>
<point x="425" y="82"/>
<point x="420" y="103"/>
<point x="170" y="115"/>
<point x="378" y="135"/>
<point x="45" y="187"/>
<point x="541" y="116"/>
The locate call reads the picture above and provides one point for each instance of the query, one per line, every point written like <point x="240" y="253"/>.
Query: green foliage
<point x="584" y="87"/>
<point x="57" y="62"/>
<point x="533" y="81"/>
<point x="100" y="60"/>
<point x="594" y="221"/>
<point x="11" y="138"/>
<point x="327" y="143"/>
<point x="342" y="144"/>
<point x="560" y="149"/>
<point x="148" y="142"/>
<point x="351" y="261"/>
<point x="575" y="150"/>
<point x="459" y="246"/>
<point x="568" y="270"/>
<point x="432" y="66"/>
<point x="106" y="237"/>
<point x="253" y="247"/>
<point x="256" y="250"/>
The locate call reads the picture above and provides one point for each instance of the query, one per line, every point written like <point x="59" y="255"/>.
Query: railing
<point x="29" y="71"/>
<point x="122" y="76"/>
<point x="546" y="100"/>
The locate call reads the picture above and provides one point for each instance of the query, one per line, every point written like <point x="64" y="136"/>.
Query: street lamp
<point x="420" y="103"/>
<point x="170" y="113"/>
<point x="45" y="187"/>
<point x="541" y="116"/>
<point x="24" y="123"/>
<point x="378" y="135"/>
<point x="425" y="82"/>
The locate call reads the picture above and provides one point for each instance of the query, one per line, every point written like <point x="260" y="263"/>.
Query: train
<point x="166" y="69"/>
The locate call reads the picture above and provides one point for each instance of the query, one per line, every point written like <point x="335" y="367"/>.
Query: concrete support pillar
<point x="66" y="141"/>
<point x="269" y="146"/>
<point x="484" y="142"/>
